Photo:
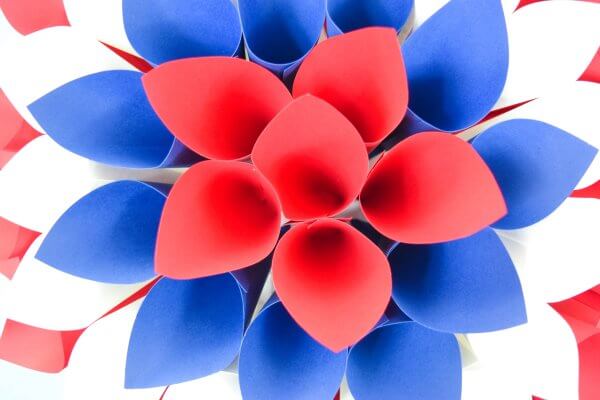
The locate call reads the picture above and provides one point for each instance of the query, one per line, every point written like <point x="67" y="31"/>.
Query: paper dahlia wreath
<point x="349" y="212"/>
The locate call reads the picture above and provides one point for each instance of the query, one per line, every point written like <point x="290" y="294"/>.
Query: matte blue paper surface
<point x="464" y="286"/>
<point x="109" y="235"/>
<point x="185" y="329"/>
<point x="279" y="360"/>
<point x="456" y="63"/>
<point x="348" y="15"/>
<point x="536" y="165"/>
<point x="279" y="33"/>
<point x="405" y="361"/>
<point x="164" y="30"/>
<point x="106" y="117"/>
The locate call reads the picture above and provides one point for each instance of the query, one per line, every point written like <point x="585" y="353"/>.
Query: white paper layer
<point x="96" y="370"/>
<point x="102" y="19"/>
<point x="222" y="385"/>
<point x="573" y="108"/>
<point x="558" y="257"/>
<point x="551" y="43"/>
<point x="35" y="64"/>
<point x="45" y="297"/>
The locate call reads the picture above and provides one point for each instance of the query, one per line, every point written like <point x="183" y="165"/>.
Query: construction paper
<point x="66" y="54"/>
<point x="559" y="254"/>
<point x="466" y="285"/>
<point x="456" y="64"/>
<point x="15" y="131"/>
<point x="405" y="361"/>
<point x="190" y="96"/>
<point x="109" y="235"/>
<point x="28" y="16"/>
<point x="545" y="59"/>
<point x="482" y="381"/>
<point x="332" y="280"/>
<point x="571" y="108"/>
<point x="348" y="15"/>
<point x="36" y="348"/>
<point x="222" y="385"/>
<point x="45" y="297"/>
<point x="96" y="368"/>
<point x="279" y="34"/>
<point x="165" y="30"/>
<point x="589" y="353"/>
<point x="278" y="360"/>
<point x="534" y="179"/>
<point x="301" y="152"/>
<point x="102" y="19"/>
<point x="41" y="181"/>
<point x="105" y="117"/>
<point x="220" y="216"/>
<point x="362" y="75"/>
<point x="540" y="356"/>
<point x="14" y="242"/>
<point x="194" y="327"/>
<point x="406" y="196"/>
<point x="592" y="72"/>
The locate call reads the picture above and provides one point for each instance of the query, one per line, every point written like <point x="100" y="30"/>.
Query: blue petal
<point x="405" y="361"/>
<point x="347" y="15"/>
<point x="536" y="165"/>
<point x="109" y="235"/>
<point x="279" y="360"/>
<point x="467" y="285"/>
<point x="456" y="64"/>
<point x="185" y="330"/>
<point x="105" y="117"/>
<point x="279" y="33"/>
<point x="164" y="30"/>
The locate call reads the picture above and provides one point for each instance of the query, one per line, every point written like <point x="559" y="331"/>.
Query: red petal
<point x="217" y="106"/>
<point x="28" y="16"/>
<point x="36" y="348"/>
<point x="432" y="187"/>
<point x="332" y="280"/>
<point x="314" y="157"/>
<point x="361" y="74"/>
<point x="220" y="216"/>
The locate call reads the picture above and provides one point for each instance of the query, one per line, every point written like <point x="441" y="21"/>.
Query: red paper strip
<point x="36" y="348"/>
<point x="220" y="216"/>
<point x="431" y="187"/>
<point x="589" y="369"/>
<point x="217" y="106"/>
<point x="314" y="157"/>
<point x="136" y="61"/>
<point x="15" y="132"/>
<point x="14" y="242"/>
<point x="28" y="16"/>
<point x="332" y="280"/>
<point x="361" y="74"/>
<point x="590" y="192"/>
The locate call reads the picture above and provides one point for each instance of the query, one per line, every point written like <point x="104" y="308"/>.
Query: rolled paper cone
<point x="219" y="217"/>
<point x="279" y="360"/>
<point x="344" y="16"/>
<point x="279" y="34"/>
<point x="314" y="157"/>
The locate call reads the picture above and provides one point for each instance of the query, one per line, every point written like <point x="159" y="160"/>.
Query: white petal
<point x="7" y="32"/>
<point x="491" y="382"/>
<point x="41" y="182"/>
<point x="102" y="19"/>
<point x="4" y="285"/>
<point x="19" y="383"/>
<point x="551" y="43"/>
<point x="222" y="385"/>
<point x="424" y="9"/>
<point x="538" y="358"/>
<point x="96" y="370"/>
<point x="574" y="109"/>
<point x="559" y="255"/>
<point x="35" y="64"/>
<point x="45" y="297"/>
